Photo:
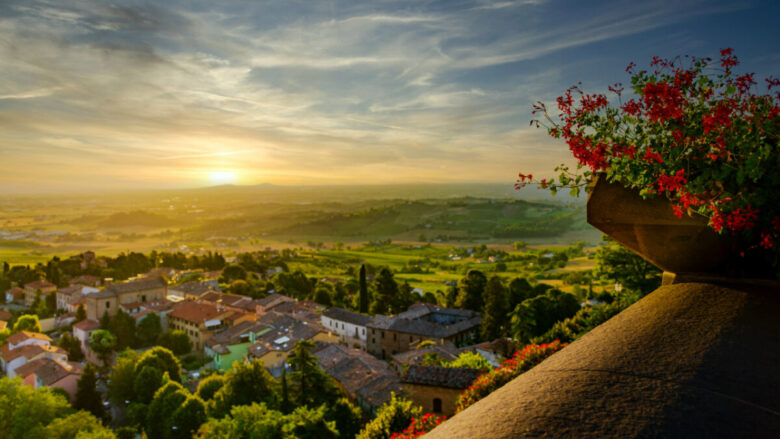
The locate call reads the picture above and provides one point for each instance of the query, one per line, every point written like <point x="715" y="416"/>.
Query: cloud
<point x="277" y="89"/>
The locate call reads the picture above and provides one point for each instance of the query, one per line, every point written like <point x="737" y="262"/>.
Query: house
<point x="435" y="388"/>
<point x="83" y="330"/>
<point x="25" y="346"/>
<point x="51" y="372"/>
<point x="274" y="346"/>
<point x="232" y="344"/>
<point x="369" y="382"/>
<point x="14" y="294"/>
<point x="267" y="304"/>
<point x="193" y="290"/>
<point x="69" y="298"/>
<point x="350" y="326"/>
<point x="446" y="352"/>
<point x="139" y="310"/>
<point x="5" y="318"/>
<point x="199" y="320"/>
<point x="388" y="336"/>
<point x="87" y="280"/>
<point x="232" y="301"/>
<point x="35" y="289"/>
<point x="109" y="299"/>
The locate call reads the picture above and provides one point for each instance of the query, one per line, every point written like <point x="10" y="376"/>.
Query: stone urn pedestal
<point x="650" y="228"/>
<point x="697" y="358"/>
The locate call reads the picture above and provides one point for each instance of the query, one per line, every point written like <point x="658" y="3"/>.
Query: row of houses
<point x="32" y="357"/>
<point x="385" y="336"/>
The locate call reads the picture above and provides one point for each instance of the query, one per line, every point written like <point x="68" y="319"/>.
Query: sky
<point x="99" y="96"/>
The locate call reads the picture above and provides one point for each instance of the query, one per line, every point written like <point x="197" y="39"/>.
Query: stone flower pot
<point x="650" y="228"/>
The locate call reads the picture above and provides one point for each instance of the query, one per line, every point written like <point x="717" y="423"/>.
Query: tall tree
<point x="72" y="345"/>
<point x="363" y="290"/>
<point x="386" y="293"/>
<point x="495" y="311"/>
<point x="471" y="288"/>
<point x="87" y="396"/>
<point x="519" y="289"/>
<point x="312" y="386"/>
<point x="123" y="326"/>
<point x="103" y="343"/>
<point x="149" y="328"/>
<point x="81" y="313"/>
<point x="244" y="384"/>
<point x="613" y="261"/>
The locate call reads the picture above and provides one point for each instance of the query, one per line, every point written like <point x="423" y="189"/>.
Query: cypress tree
<point x="87" y="396"/>
<point x="363" y="290"/>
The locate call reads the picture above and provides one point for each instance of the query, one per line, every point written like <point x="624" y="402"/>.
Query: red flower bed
<point x="419" y="426"/>
<point x="522" y="361"/>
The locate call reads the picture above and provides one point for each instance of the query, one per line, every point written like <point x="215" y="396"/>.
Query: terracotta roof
<point x="26" y="335"/>
<point x="234" y="300"/>
<point x="429" y="321"/>
<point x="49" y="370"/>
<point x="273" y="300"/>
<point x="130" y="287"/>
<point x="39" y="285"/>
<point x="283" y="338"/>
<point x="5" y="315"/>
<point x="86" y="279"/>
<point x="236" y="334"/>
<point x="359" y="373"/>
<point x="15" y="291"/>
<point x="437" y="376"/>
<point x="87" y="325"/>
<point x="447" y="352"/>
<point x="344" y="315"/>
<point x="380" y="391"/>
<point x="194" y="288"/>
<point x="195" y="312"/>
<point x="29" y="351"/>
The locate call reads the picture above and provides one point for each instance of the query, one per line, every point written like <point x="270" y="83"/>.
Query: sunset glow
<point x="222" y="177"/>
<point x="148" y="95"/>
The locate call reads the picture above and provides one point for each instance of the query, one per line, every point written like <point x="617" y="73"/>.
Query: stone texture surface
<point x="688" y="360"/>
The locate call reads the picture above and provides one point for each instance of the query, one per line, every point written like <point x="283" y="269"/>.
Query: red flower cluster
<point x="522" y="361"/>
<point x="706" y="142"/>
<point x="419" y="426"/>
<point x="663" y="101"/>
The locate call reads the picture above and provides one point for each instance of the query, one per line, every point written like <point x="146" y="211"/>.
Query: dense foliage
<point x="41" y="414"/>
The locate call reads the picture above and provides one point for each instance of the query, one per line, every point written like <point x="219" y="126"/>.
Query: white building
<point x="350" y="326"/>
<point x="24" y="347"/>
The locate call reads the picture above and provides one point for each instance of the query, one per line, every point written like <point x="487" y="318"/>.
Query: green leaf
<point x="575" y="191"/>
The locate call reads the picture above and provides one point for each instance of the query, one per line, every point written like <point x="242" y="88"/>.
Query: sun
<point x="222" y="177"/>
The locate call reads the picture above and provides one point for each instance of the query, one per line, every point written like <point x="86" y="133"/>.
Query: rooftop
<point x="451" y="377"/>
<point x="39" y="285"/>
<point x="131" y="287"/>
<point x="26" y="335"/>
<point x="346" y="316"/>
<point x="49" y="370"/>
<point x="195" y="312"/>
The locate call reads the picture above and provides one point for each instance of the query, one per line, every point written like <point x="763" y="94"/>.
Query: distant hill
<point x="446" y="219"/>
<point x="355" y="193"/>
<point x="135" y="219"/>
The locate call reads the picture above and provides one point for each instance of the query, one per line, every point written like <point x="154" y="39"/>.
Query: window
<point x="436" y="405"/>
<point x="143" y="298"/>
<point x="108" y="305"/>
<point x="395" y="336"/>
